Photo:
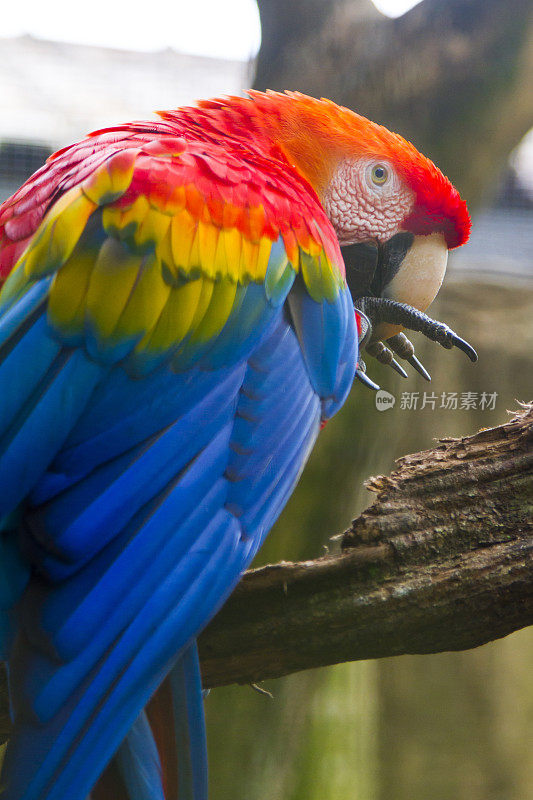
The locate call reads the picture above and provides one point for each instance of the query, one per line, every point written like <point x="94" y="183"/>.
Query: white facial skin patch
<point x="365" y="200"/>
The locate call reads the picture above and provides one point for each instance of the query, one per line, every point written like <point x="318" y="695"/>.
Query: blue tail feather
<point x="74" y="614"/>
<point x="139" y="764"/>
<point x="191" y="742"/>
<point x="50" y="684"/>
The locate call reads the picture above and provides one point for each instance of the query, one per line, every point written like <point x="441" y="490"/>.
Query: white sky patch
<point x="522" y="161"/>
<point x="395" y="8"/>
<point x="218" y="28"/>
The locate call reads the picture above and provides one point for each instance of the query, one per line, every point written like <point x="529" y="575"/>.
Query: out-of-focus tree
<point x="454" y="76"/>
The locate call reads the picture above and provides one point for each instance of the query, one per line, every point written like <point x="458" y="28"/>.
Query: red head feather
<point x="315" y="135"/>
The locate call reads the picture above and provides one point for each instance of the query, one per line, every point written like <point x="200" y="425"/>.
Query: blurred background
<point x="456" y="77"/>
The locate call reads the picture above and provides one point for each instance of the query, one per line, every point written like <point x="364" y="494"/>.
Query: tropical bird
<point x="176" y="324"/>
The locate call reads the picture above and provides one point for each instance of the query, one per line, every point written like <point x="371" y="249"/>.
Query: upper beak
<point x="407" y="268"/>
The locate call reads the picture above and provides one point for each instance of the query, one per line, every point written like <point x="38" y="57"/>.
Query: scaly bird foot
<point x="379" y="309"/>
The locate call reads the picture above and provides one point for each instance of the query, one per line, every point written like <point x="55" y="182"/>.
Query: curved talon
<point x="414" y="362"/>
<point x="464" y="346"/>
<point x="398" y="368"/>
<point x="363" y="377"/>
<point x="404" y="348"/>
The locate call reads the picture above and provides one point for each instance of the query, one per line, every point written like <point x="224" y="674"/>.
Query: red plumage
<point x="240" y="152"/>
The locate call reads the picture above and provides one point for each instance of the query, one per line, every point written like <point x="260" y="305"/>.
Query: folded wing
<point x="163" y="400"/>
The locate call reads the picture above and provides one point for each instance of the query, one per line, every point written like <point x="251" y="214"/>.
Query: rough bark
<point x="451" y="75"/>
<point x="442" y="560"/>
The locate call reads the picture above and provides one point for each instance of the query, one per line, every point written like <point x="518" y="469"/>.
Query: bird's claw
<point x="380" y="309"/>
<point x="364" y="328"/>
<point x="420" y="368"/>
<point x="360" y="374"/>
<point x="404" y="348"/>
<point x="440" y="332"/>
<point x="398" y="368"/>
<point x="366" y="381"/>
<point x="384" y="355"/>
<point x="461" y="344"/>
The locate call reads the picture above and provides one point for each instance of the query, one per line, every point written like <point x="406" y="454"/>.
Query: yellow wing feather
<point x="147" y="300"/>
<point x="58" y="234"/>
<point x="114" y="275"/>
<point x="67" y="298"/>
<point x="175" y="320"/>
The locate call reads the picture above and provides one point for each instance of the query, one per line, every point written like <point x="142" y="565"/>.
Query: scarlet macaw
<point x="175" y="326"/>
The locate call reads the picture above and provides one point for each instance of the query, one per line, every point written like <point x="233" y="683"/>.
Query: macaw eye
<point x="379" y="174"/>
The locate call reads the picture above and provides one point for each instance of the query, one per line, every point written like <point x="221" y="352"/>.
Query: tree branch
<point x="441" y="561"/>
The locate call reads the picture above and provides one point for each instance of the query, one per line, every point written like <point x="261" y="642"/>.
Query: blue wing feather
<point x="147" y="500"/>
<point x="321" y="329"/>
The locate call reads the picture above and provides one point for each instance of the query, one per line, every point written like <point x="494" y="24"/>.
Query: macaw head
<point x="395" y="214"/>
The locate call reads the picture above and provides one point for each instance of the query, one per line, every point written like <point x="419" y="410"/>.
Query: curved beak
<point x="408" y="269"/>
<point x="419" y="277"/>
<point x="393" y="284"/>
